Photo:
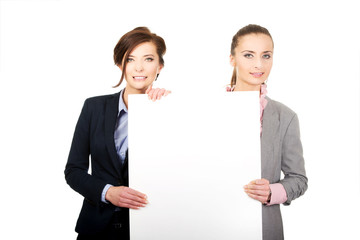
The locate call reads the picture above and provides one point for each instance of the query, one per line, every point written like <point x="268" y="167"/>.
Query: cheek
<point x="127" y="70"/>
<point x="268" y="66"/>
<point x="242" y="67"/>
<point x="154" y="69"/>
<point x="267" y="70"/>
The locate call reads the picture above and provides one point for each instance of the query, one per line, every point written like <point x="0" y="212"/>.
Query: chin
<point x="142" y="87"/>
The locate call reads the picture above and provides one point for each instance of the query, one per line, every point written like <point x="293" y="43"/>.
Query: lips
<point x="139" y="78"/>
<point x="257" y="74"/>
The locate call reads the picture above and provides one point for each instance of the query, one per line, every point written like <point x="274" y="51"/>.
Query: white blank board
<point x="192" y="155"/>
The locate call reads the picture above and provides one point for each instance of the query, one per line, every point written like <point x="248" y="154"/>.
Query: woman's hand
<point x="157" y="93"/>
<point x="126" y="197"/>
<point x="258" y="189"/>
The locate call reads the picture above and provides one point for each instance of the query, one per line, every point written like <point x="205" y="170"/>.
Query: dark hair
<point x="249" y="29"/>
<point x="129" y="41"/>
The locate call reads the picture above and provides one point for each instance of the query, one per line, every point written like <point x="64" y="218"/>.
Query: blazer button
<point x="117" y="225"/>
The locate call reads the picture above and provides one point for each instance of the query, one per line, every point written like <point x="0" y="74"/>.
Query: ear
<point x="232" y="60"/>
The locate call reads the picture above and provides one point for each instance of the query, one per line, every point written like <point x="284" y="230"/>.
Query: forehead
<point x="257" y="42"/>
<point x="144" y="49"/>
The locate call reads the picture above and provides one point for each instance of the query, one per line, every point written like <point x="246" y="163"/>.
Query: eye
<point x="248" y="55"/>
<point x="149" y="59"/>
<point x="267" y="56"/>
<point x="129" y="59"/>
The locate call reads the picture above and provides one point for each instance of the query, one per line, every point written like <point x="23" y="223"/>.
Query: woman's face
<point x="142" y="67"/>
<point x="252" y="61"/>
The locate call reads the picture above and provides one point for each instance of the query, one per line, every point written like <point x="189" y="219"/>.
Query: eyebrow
<point x="146" y="55"/>
<point x="254" y="52"/>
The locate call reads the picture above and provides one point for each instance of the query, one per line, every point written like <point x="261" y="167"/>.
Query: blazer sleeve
<point x="76" y="169"/>
<point x="292" y="162"/>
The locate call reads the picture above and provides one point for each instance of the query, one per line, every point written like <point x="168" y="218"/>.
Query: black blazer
<point x="94" y="136"/>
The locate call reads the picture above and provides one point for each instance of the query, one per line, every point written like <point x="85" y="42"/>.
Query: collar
<point x="122" y="105"/>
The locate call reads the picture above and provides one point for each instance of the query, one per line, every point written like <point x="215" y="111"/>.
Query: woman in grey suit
<point x="281" y="150"/>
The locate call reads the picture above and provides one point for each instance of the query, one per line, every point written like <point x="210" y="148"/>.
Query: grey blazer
<point x="281" y="150"/>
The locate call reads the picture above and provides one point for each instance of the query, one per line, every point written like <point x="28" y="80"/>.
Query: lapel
<point x="269" y="128"/>
<point x="111" y="112"/>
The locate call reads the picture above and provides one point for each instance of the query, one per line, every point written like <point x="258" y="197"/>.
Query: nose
<point x="139" y="67"/>
<point x="258" y="63"/>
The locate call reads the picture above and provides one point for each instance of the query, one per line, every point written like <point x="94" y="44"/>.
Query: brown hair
<point x="249" y="29"/>
<point x="130" y="41"/>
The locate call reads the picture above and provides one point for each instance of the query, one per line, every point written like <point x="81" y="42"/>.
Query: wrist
<point x="268" y="200"/>
<point x="105" y="193"/>
<point x="269" y="197"/>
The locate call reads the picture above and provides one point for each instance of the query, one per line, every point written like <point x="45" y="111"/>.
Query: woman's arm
<point x="76" y="170"/>
<point x="292" y="162"/>
<point x="294" y="183"/>
<point x="91" y="187"/>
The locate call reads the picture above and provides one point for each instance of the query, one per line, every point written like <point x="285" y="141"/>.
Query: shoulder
<point x="278" y="114"/>
<point x="98" y="104"/>
<point x="102" y="98"/>
<point x="283" y="111"/>
<point x="98" y="101"/>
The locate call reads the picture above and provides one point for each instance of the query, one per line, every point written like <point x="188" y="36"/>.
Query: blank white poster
<point x="192" y="155"/>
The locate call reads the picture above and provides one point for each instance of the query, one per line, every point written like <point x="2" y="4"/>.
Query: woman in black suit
<point x="101" y="133"/>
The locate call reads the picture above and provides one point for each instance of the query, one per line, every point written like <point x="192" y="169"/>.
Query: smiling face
<point x="142" y="68"/>
<point x="252" y="61"/>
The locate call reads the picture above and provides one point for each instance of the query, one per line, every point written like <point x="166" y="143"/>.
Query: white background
<point x="54" y="54"/>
